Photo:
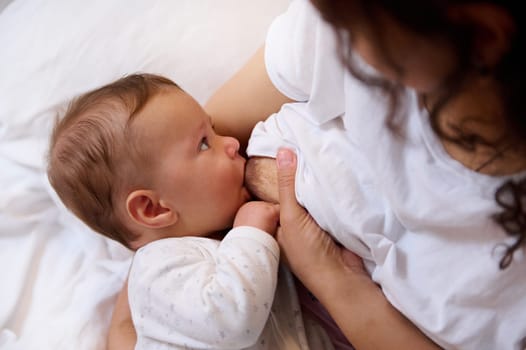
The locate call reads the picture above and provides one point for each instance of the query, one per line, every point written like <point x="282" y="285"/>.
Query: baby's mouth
<point x="243" y="184"/>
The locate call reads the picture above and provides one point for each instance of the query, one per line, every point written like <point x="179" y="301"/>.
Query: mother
<point x="428" y="95"/>
<point x="431" y="107"/>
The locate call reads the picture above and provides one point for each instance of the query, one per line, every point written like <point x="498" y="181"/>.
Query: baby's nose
<point x="231" y="146"/>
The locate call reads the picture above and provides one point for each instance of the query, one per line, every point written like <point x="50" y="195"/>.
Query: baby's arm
<point x="206" y="293"/>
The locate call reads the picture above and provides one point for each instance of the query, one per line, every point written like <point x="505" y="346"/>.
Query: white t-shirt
<point x="420" y="219"/>
<point x="199" y="293"/>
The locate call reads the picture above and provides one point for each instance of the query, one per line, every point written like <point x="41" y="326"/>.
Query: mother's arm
<point x="122" y="335"/>
<point x="247" y="98"/>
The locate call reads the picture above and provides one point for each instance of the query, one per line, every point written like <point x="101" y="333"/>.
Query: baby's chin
<point x="245" y="195"/>
<point x="219" y="235"/>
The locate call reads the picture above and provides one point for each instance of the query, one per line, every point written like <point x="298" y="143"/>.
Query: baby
<point x="139" y="162"/>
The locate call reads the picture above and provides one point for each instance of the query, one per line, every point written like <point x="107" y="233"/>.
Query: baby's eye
<point x="203" y="145"/>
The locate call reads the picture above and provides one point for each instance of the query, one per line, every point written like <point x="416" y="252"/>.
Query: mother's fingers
<point x="302" y="241"/>
<point x="287" y="163"/>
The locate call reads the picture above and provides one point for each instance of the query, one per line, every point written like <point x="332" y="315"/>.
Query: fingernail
<point x="284" y="158"/>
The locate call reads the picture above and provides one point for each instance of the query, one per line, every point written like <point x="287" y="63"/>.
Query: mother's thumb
<point x="286" y="164"/>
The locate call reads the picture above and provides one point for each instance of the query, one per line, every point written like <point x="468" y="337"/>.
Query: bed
<point x="58" y="279"/>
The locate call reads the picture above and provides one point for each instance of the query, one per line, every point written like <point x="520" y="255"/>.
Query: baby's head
<point x="138" y="160"/>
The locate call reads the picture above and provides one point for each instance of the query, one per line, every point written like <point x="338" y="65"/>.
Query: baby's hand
<point x="262" y="215"/>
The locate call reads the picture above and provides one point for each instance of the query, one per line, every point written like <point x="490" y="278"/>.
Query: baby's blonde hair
<point x="92" y="155"/>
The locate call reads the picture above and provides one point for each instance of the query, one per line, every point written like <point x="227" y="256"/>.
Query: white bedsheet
<point x="59" y="280"/>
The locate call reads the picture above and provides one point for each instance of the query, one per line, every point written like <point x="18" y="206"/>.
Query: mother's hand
<point x="337" y="277"/>
<point x="311" y="253"/>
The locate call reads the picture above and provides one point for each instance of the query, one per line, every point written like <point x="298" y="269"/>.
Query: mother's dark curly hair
<point x="432" y="18"/>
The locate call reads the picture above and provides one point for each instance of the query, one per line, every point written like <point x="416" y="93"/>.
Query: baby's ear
<point x="145" y="208"/>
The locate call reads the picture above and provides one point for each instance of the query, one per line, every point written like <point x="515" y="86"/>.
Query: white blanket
<point x="59" y="280"/>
